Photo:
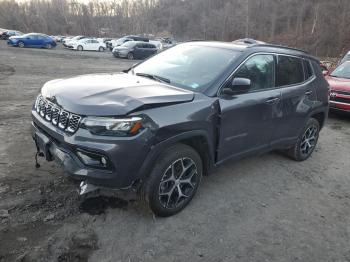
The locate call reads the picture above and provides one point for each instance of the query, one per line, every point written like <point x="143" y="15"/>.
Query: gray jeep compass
<point x="158" y="127"/>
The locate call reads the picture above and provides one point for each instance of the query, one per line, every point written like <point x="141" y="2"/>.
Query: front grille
<point x="340" y="100"/>
<point x="51" y="112"/>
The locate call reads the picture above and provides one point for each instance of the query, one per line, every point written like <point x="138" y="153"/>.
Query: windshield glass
<point x="342" y="71"/>
<point x="128" y="44"/>
<point x="189" y="66"/>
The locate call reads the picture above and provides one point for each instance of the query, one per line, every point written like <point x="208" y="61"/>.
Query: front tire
<point x="174" y="180"/>
<point x="130" y="56"/>
<point x="307" y="141"/>
<point x="80" y="48"/>
<point x="101" y="49"/>
<point x="48" y="46"/>
<point x="20" y="44"/>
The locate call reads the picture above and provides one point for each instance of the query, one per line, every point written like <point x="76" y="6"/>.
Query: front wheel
<point x="101" y="49"/>
<point x="306" y="142"/>
<point x="130" y="56"/>
<point x="173" y="181"/>
<point x="48" y="46"/>
<point x="80" y="48"/>
<point x="20" y="44"/>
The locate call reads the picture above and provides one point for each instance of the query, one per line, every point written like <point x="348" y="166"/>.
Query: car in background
<point x="88" y="44"/>
<point x="67" y="42"/>
<point x="58" y="38"/>
<point x="8" y="33"/>
<point x="135" y="50"/>
<point x="167" y="42"/>
<point x="104" y="40"/>
<point x="339" y="81"/>
<point x="121" y="41"/>
<point x="32" y="40"/>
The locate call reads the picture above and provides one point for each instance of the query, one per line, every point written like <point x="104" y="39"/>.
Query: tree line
<point x="318" y="26"/>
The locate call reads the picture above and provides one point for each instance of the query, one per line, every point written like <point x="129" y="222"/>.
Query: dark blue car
<point x="32" y="40"/>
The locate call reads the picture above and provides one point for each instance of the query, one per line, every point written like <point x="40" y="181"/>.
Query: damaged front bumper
<point x="123" y="157"/>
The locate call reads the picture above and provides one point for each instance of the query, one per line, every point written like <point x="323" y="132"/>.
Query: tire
<point x="80" y="48"/>
<point x="48" y="46"/>
<point x="130" y="56"/>
<point x="101" y="49"/>
<point x="169" y="187"/>
<point x="307" y="141"/>
<point x="20" y="44"/>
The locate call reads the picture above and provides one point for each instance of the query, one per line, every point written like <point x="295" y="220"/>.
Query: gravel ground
<point x="265" y="208"/>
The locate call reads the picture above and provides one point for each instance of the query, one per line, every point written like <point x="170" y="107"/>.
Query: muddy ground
<point x="265" y="208"/>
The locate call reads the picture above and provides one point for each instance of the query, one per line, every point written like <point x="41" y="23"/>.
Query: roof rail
<point x="279" y="46"/>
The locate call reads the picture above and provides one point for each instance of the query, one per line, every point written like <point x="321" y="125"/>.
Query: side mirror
<point x="238" y="86"/>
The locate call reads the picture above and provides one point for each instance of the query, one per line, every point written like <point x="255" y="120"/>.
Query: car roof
<point x="253" y="46"/>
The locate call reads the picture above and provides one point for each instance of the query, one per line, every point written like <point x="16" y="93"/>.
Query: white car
<point x="88" y="44"/>
<point x="67" y="42"/>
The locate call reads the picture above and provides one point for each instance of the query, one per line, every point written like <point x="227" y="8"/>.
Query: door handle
<point x="272" y="101"/>
<point x="309" y="92"/>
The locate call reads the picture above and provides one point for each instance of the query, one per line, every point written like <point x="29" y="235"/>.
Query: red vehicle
<point x="339" y="81"/>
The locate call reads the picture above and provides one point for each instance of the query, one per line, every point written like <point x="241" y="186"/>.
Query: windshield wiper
<point x="154" y="77"/>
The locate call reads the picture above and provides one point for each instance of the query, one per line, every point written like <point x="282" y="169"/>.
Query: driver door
<point x="248" y="119"/>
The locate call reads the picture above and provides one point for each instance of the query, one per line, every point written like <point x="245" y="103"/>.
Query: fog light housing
<point x="93" y="159"/>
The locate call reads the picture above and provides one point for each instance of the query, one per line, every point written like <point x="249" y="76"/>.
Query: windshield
<point x="189" y="66"/>
<point x="342" y="71"/>
<point x="128" y="44"/>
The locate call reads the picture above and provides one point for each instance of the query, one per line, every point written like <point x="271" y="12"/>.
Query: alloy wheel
<point x="178" y="183"/>
<point x="21" y="44"/>
<point x="309" y="140"/>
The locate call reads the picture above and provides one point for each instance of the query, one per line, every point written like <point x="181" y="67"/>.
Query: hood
<point x="15" y="37"/>
<point x="339" y="83"/>
<point x="111" y="94"/>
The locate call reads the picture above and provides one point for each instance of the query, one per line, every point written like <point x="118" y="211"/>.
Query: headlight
<point x="113" y="126"/>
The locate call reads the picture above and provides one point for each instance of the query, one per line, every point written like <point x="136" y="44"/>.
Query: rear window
<point x="289" y="71"/>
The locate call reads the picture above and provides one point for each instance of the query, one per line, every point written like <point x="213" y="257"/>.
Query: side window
<point x="309" y="73"/>
<point x="289" y="71"/>
<point x="260" y="70"/>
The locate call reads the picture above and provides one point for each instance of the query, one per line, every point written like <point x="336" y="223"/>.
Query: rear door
<point x="296" y="80"/>
<point x="139" y="51"/>
<point x="248" y="120"/>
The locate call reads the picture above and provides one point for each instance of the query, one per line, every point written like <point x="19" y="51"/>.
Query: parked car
<point x="159" y="126"/>
<point x="135" y="50"/>
<point x="68" y="42"/>
<point x="121" y="41"/>
<point x="8" y="33"/>
<point x="32" y="40"/>
<point x="166" y="42"/>
<point x="88" y="44"/>
<point x="339" y="81"/>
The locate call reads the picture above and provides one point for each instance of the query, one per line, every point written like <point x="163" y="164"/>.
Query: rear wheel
<point x="20" y="44"/>
<point x="306" y="142"/>
<point x="130" y="56"/>
<point x="173" y="181"/>
<point x="80" y="48"/>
